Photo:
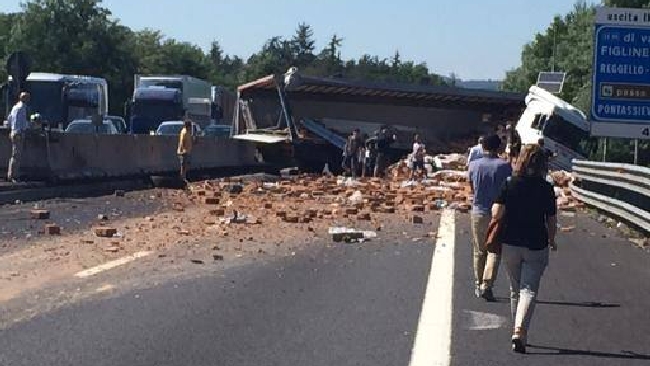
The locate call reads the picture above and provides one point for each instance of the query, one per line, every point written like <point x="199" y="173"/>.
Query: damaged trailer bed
<point x="302" y="120"/>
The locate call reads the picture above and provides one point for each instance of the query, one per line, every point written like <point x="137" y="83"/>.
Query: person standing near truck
<point x="184" y="151"/>
<point x="18" y="123"/>
<point x="384" y="141"/>
<point x="351" y="152"/>
<point x="417" y="157"/>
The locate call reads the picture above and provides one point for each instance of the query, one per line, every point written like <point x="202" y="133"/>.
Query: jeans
<point x="525" y="268"/>
<point x="486" y="265"/>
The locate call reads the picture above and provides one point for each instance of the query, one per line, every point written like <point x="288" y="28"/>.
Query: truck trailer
<point x="160" y="98"/>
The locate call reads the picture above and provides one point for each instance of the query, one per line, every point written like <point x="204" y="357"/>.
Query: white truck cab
<point x="564" y="129"/>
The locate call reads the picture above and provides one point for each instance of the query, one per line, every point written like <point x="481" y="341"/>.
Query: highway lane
<point x="356" y="304"/>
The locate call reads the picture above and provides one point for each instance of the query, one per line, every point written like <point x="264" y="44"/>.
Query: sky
<point x="475" y="39"/>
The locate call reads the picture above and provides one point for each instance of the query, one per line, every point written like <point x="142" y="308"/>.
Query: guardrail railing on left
<point x="622" y="190"/>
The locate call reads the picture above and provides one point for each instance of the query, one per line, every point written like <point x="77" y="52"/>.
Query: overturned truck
<point x="302" y="121"/>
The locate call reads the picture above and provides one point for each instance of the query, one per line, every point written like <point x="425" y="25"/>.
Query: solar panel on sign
<point x="551" y="81"/>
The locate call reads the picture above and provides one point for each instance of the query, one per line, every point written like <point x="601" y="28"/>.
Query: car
<point x="85" y="126"/>
<point x="218" y="130"/>
<point x="118" y="122"/>
<point x="173" y="128"/>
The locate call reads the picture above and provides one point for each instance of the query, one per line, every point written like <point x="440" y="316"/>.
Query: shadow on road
<point x="624" y="355"/>
<point x="586" y="304"/>
<point x="581" y="304"/>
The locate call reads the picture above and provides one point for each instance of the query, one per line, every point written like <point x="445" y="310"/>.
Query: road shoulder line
<point x="432" y="346"/>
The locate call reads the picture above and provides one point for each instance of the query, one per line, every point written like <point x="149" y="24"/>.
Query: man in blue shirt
<point x="18" y="123"/>
<point x="486" y="176"/>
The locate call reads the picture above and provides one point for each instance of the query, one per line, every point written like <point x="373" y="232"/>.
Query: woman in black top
<point x="527" y="206"/>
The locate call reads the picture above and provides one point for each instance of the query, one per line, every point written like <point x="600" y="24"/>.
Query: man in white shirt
<point x="476" y="152"/>
<point x="18" y="123"/>
<point x="417" y="157"/>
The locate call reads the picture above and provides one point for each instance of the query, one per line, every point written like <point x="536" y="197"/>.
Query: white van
<point x="564" y="128"/>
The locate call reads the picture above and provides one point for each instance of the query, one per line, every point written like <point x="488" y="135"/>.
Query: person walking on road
<point x="351" y="152"/>
<point x="18" y="124"/>
<point x="486" y="176"/>
<point x="185" y="142"/>
<point x="476" y="151"/>
<point x="513" y="142"/>
<point x="528" y="209"/>
<point x="417" y="157"/>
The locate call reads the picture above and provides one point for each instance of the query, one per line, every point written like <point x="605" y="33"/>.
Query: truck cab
<point x="153" y="105"/>
<point x="565" y="130"/>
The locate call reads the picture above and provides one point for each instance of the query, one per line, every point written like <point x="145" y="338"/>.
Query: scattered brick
<point x="211" y="200"/>
<point x="52" y="229"/>
<point x="40" y="214"/>
<point x="417" y="219"/>
<point x="105" y="232"/>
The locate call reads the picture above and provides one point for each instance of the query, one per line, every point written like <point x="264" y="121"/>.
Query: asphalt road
<point x="356" y="304"/>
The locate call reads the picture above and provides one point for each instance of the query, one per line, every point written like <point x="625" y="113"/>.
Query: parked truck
<point x="60" y="99"/>
<point x="160" y="98"/>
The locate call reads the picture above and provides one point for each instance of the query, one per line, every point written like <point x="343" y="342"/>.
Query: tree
<point x="303" y="45"/>
<point x="565" y="46"/>
<point x="76" y="37"/>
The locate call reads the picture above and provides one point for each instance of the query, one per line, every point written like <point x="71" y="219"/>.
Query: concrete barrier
<point x="60" y="156"/>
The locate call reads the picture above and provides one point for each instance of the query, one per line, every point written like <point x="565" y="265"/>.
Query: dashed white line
<point x="432" y="346"/>
<point x="112" y="264"/>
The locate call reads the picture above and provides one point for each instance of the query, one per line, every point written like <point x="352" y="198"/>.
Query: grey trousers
<point x="17" y="147"/>
<point x="525" y="268"/>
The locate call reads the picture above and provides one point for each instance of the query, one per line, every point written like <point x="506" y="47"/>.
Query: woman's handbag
<point x="494" y="234"/>
<point x="493" y="239"/>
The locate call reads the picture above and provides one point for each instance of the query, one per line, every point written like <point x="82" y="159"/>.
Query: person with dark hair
<point x="185" y="142"/>
<point x="383" y="142"/>
<point x="486" y="176"/>
<point x="417" y="157"/>
<point x="18" y="125"/>
<point x="353" y="147"/>
<point x="527" y="207"/>
<point x="513" y="142"/>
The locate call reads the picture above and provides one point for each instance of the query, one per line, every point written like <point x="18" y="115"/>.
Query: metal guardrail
<point x="622" y="190"/>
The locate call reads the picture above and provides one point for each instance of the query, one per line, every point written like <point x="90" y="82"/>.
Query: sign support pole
<point x="605" y="150"/>
<point x="636" y="151"/>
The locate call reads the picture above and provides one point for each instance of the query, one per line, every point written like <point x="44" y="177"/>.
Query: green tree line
<point x="567" y="46"/>
<point x="82" y="37"/>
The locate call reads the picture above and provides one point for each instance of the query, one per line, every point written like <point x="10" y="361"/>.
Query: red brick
<point x="292" y="219"/>
<point x="351" y="211"/>
<point x="218" y="212"/>
<point x="211" y="200"/>
<point x="105" y="232"/>
<point x="417" y="208"/>
<point x="40" y="214"/>
<point x="52" y="229"/>
<point x="364" y="216"/>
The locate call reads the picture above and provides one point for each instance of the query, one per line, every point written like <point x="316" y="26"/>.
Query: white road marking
<point x="112" y="264"/>
<point x="484" y="321"/>
<point x="432" y="346"/>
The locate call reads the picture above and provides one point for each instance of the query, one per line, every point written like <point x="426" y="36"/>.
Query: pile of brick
<point x="401" y="170"/>
<point x="310" y="199"/>
<point x="565" y="200"/>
